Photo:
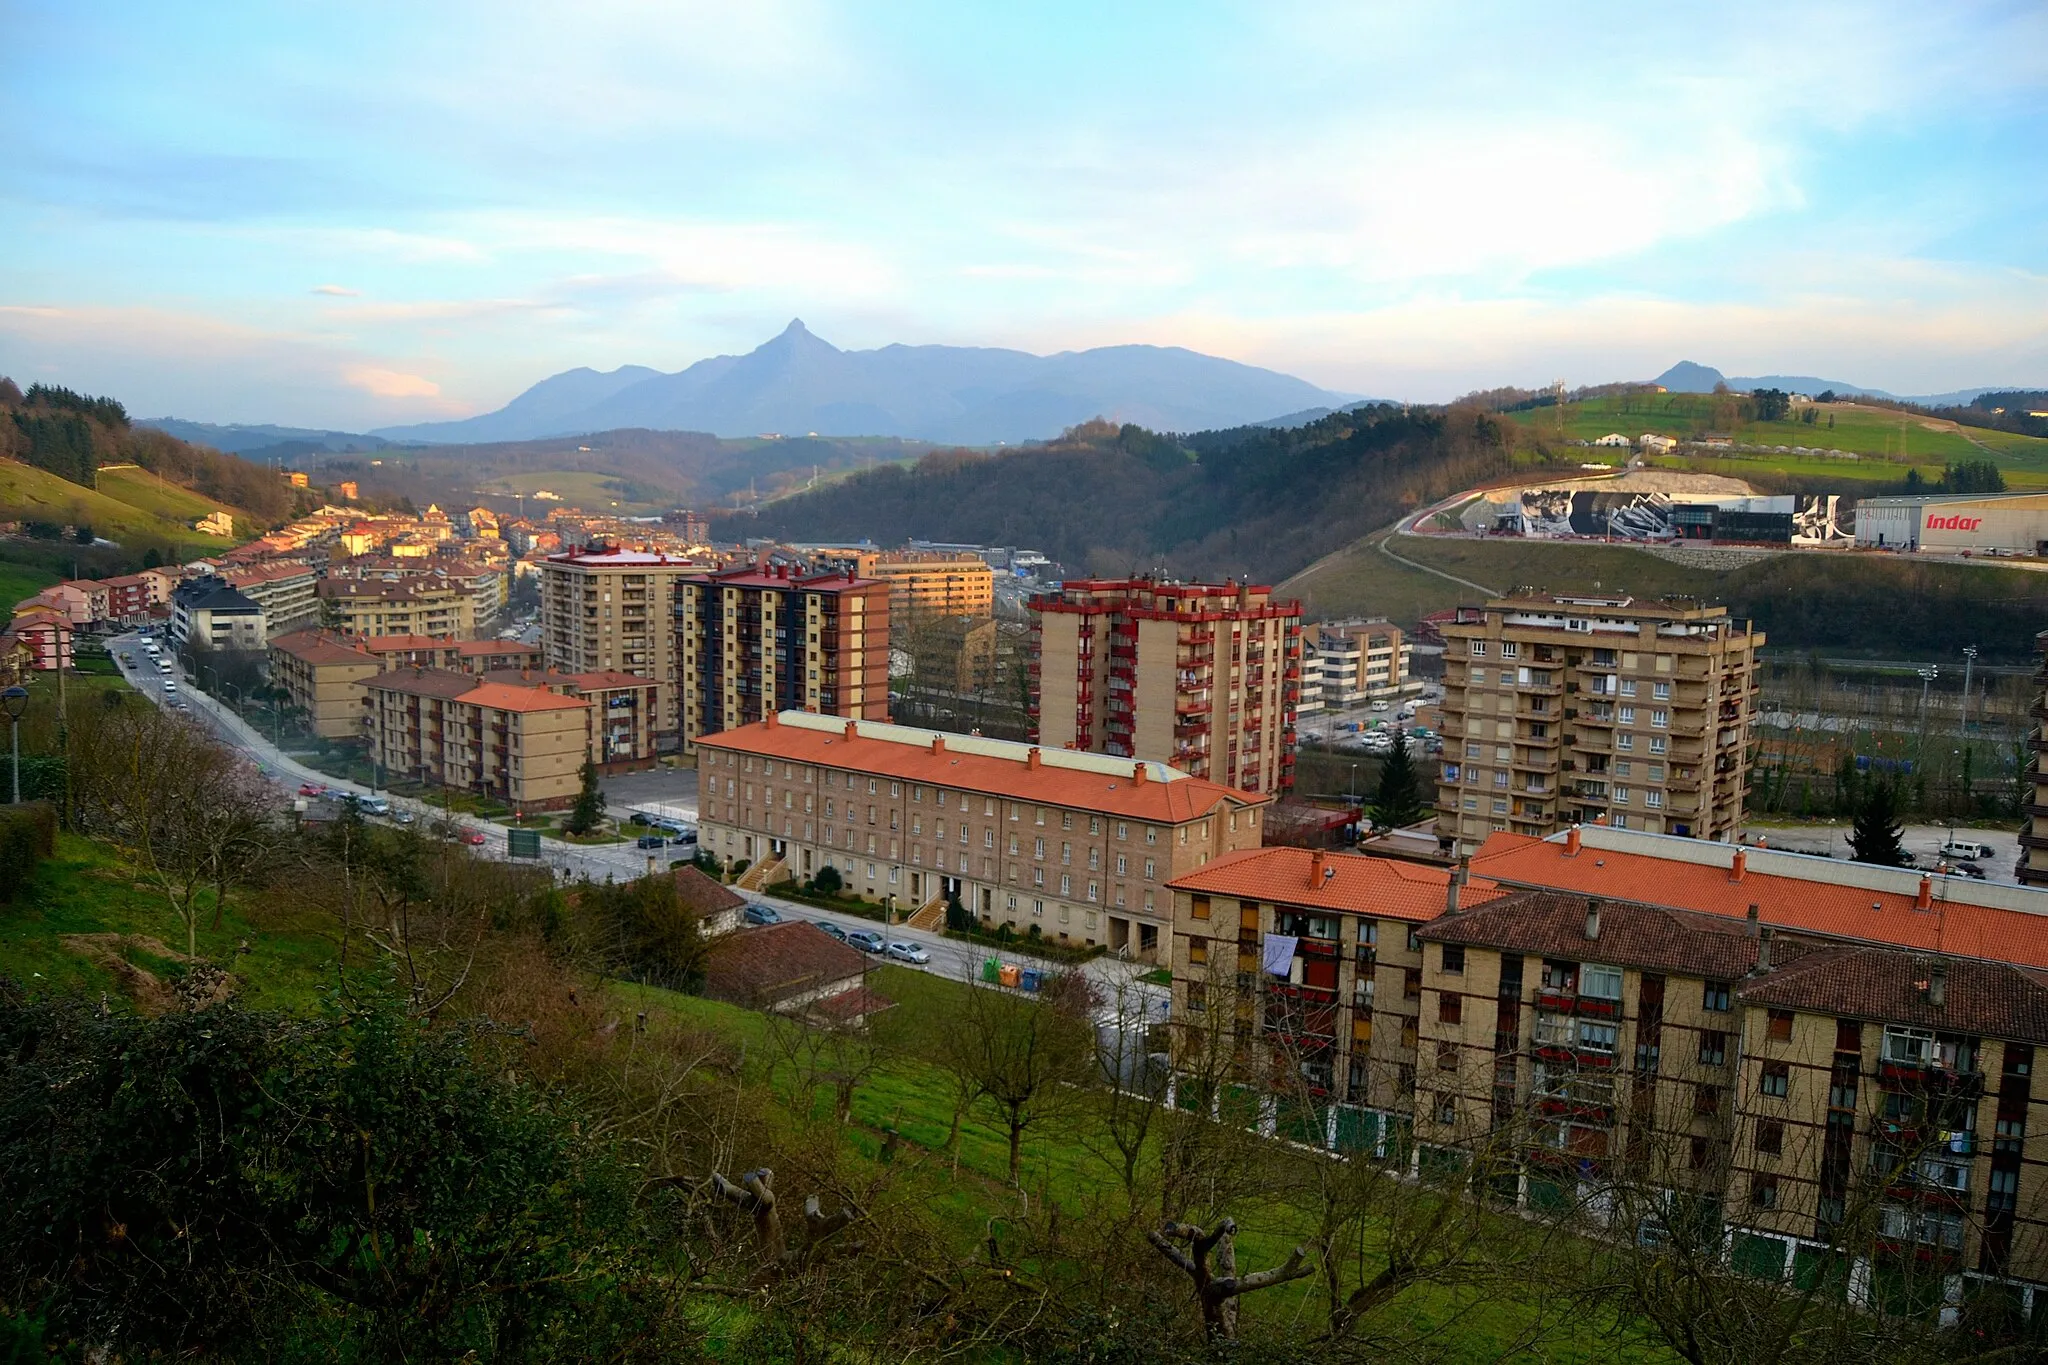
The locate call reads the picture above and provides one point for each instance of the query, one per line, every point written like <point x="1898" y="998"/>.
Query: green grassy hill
<point x="1892" y="440"/>
<point x="150" y="493"/>
<point x="155" y="518"/>
<point x="1843" y="603"/>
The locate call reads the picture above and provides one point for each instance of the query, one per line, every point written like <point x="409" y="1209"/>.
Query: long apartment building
<point x="755" y="640"/>
<point x="287" y="592"/>
<point x="1575" y="709"/>
<point x="616" y="611"/>
<point x="1829" y="1065"/>
<point x="323" y="672"/>
<point x="921" y="582"/>
<point x="1204" y="676"/>
<point x="416" y="606"/>
<point x="1077" y="847"/>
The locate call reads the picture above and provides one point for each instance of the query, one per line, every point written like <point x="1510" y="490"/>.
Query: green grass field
<point x="589" y="489"/>
<point x="30" y="494"/>
<point x="21" y="580"/>
<point x="1881" y="433"/>
<point x="144" y="491"/>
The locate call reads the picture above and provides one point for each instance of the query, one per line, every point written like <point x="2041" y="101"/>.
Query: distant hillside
<point x="1251" y="501"/>
<point x="258" y="440"/>
<point x="798" y="384"/>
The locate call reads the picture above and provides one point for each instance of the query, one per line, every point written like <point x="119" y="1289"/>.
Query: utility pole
<point x="1969" y="660"/>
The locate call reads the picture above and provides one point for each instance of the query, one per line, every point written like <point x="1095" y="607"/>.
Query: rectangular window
<point x="1661" y="691"/>
<point x="1600" y="982"/>
<point x="1714" y="996"/>
<point x="1907" y="1046"/>
<point x="1777" y="1079"/>
<point x="1713" y="1048"/>
<point x="1656" y="744"/>
<point x="1479" y="649"/>
<point x="1780" y="1026"/>
<point x="1770" y="1137"/>
<point x="1199" y="907"/>
<point x="1454" y="958"/>
<point x="1450" y="1008"/>
<point x="1625" y="715"/>
<point x="1659" y="719"/>
<point x="1411" y="983"/>
<point x="1763" y="1189"/>
<point x="1706" y="1100"/>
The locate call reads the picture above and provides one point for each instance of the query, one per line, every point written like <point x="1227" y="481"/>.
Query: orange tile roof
<point x="1155" y="799"/>
<point x="318" y="647"/>
<point x="506" y="697"/>
<point x="1363" y="885"/>
<point x="1819" y="903"/>
<point x="398" y="644"/>
<point x="470" y="649"/>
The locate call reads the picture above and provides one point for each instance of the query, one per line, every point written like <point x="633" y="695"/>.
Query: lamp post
<point x="15" y="701"/>
<point x="1969" y="662"/>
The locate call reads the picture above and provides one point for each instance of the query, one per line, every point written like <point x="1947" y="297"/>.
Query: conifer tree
<point x="1875" y="833"/>
<point x="1398" y="800"/>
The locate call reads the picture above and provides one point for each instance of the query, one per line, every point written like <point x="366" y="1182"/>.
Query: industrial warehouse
<point x="1955" y="523"/>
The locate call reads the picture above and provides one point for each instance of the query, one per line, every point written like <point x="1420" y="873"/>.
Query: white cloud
<point x="390" y="383"/>
<point x="340" y="291"/>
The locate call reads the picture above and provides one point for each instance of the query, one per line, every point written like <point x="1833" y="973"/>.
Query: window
<point x="1714" y="996"/>
<point x="1601" y="983"/>
<point x="1706" y="1100"/>
<point x="1628" y="687"/>
<point x="1199" y="907"/>
<point x="1907" y="1046"/>
<point x="1038" y="848"/>
<point x="1479" y="649"/>
<point x="1198" y="950"/>
<point x="1066" y="819"/>
<point x="1700" y="1153"/>
<point x="1625" y="742"/>
<point x="1479" y="677"/>
<point x="1777" y="1079"/>
<point x="1654" y="800"/>
<point x="1661" y="691"/>
<point x="1198" y="997"/>
<point x="1151" y="870"/>
<point x="1592" y="1037"/>
<point x="1713" y="1048"/>
<point x="1510" y="650"/>
<point x="1450" y="1009"/>
<point x="1625" y="715"/>
<point x="1411" y="984"/>
<point x="1770" y="1137"/>
<point x="1066" y="884"/>
<point x="1780" y="1026"/>
<point x="1414" y="943"/>
<point x="1454" y="958"/>
<point x="1151" y="837"/>
<point x="1447" y="1105"/>
<point x="1848" y="1035"/>
<point x="1659" y="719"/>
<point x="1763" y="1191"/>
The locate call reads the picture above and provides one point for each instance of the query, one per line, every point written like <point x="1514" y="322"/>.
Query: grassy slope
<point x="21" y="580"/>
<point x="146" y="492"/>
<point x="31" y="494"/>
<point x="1882" y="433"/>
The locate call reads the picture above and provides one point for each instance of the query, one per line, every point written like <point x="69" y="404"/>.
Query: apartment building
<point x="209" y="613"/>
<point x="2033" y="868"/>
<point x="416" y="606"/>
<point x="921" y="582"/>
<point x="1079" y="848"/>
<point x="1575" y="709"/>
<point x="616" y="611"/>
<point x="41" y="639"/>
<point x="1204" y="676"/>
<point x="1315" y="953"/>
<point x="623" y="707"/>
<point x="1356" y="661"/>
<point x="524" y="746"/>
<point x="323" y="675"/>
<point x="287" y="592"/>
<point x="755" y="640"/>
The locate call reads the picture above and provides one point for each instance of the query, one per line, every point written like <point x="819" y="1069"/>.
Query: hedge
<point x="28" y="834"/>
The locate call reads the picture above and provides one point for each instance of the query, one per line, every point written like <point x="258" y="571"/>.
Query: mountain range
<point x="1691" y="377"/>
<point x="799" y="383"/>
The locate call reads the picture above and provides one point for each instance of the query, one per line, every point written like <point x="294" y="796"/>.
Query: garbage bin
<point x="1009" y="974"/>
<point x="1029" y="980"/>
<point x="988" y="970"/>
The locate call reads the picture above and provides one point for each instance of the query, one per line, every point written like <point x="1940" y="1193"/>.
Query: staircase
<point x="761" y="875"/>
<point x="930" y="917"/>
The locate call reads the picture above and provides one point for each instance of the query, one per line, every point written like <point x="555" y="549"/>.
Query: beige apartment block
<point x="922" y="582"/>
<point x="1205" y="676"/>
<point x="524" y="746"/>
<point x="1562" y="710"/>
<point x="323" y="674"/>
<point x="615" y="611"/>
<point x="410" y="607"/>
<point x="1075" y="848"/>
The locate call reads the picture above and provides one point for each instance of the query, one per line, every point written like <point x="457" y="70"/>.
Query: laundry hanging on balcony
<point x="1280" y="954"/>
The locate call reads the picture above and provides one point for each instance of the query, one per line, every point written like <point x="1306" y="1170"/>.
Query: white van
<point x="1963" y="848"/>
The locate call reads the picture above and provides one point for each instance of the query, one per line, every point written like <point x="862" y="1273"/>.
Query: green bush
<point x="28" y="834"/>
<point x="827" y="880"/>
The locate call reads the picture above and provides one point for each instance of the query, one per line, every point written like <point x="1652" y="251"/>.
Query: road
<point x="1115" y="980"/>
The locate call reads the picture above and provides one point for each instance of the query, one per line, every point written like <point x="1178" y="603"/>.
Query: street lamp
<point x="1969" y="662"/>
<point x="15" y="702"/>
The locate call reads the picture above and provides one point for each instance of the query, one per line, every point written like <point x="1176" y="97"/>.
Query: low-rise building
<point x="1072" y="847"/>
<point x="792" y="968"/>
<point x="323" y="675"/>
<point x="42" y="638"/>
<point x="286" y="591"/>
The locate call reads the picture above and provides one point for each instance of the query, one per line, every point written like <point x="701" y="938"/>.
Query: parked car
<point x="687" y="839"/>
<point x="1969" y="870"/>
<point x="756" y="913"/>
<point x="403" y="817"/>
<point x="170" y="688"/>
<point x="1966" y="849"/>
<point x="867" y="940"/>
<point x="650" y="841"/>
<point x="907" y="952"/>
<point x="827" y="926"/>
<point x="310" y="789"/>
<point x="474" y="838"/>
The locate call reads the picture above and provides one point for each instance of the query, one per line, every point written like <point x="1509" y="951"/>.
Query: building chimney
<point x="1139" y="777"/>
<point x="1571" y="842"/>
<point x="938" y="744"/>
<point x="1739" y="866"/>
<point x="770" y="718"/>
<point x="1753" y="913"/>
<point x="1315" y="869"/>
<point x="1925" y="900"/>
<point x="1455" y="883"/>
<point x="1601" y="818"/>
<point x="1937" y="986"/>
<point x="852" y="730"/>
<point x="1763" y="949"/>
<point x="1592" y="919"/>
<point x="1031" y="759"/>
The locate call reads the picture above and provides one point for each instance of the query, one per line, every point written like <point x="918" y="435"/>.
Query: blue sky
<point x="368" y="213"/>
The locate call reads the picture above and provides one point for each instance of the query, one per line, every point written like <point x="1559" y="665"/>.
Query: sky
<point x="353" y="215"/>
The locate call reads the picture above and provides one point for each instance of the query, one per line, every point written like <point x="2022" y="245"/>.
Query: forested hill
<point x="71" y="435"/>
<point x="1251" y="501"/>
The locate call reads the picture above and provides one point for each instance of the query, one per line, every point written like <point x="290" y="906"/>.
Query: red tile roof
<point x="1382" y="887"/>
<point x="1648" y="937"/>
<point x="760" y="967"/>
<point x="701" y="894"/>
<point x="505" y="697"/>
<point x="1992" y="999"/>
<point x="399" y="644"/>
<point x="470" y="649"/>
<point x="1825" y="899"/>
<point x="319" y="647"/>
<point x="880" y="750"/>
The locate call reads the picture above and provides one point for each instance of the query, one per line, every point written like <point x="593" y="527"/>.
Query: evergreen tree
<point x="589" y="807"/>
<point x="1875" y="834"/>
<point x="1398" y="800"/>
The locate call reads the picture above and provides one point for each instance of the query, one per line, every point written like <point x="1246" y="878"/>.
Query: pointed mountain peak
<point x="796" y="339"/>
<point x="796" y="328"/>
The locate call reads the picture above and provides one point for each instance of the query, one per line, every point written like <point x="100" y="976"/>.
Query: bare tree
<point x="1025" y="1059"/>
<point x="1217" y="1285"/>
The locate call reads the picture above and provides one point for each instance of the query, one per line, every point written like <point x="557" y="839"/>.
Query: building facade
<point x="208" y="613"/>
<point x="1560" y="710"/>
<point x="921" y="582"/>
<point x="288" y="594"/>
<point x="1203" y="676"/>
<point x="1079" y="848"/>
<point x="1356" y="661"/>
<point x="2033" y="866"/>
<point x="323" y="676"/>
<point x="1955" y="523"/>
<point x="524" y="746"/>
<point x="415" y="606"/>
<point x="616" y="611"/>
<point x="753" y="641"/>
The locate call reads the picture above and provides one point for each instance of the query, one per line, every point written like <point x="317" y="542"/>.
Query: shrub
<point x="28" y="834"/>
<point x="827" y="881"/>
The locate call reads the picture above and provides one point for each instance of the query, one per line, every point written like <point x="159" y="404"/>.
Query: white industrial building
<point x="1954" y="523"/>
